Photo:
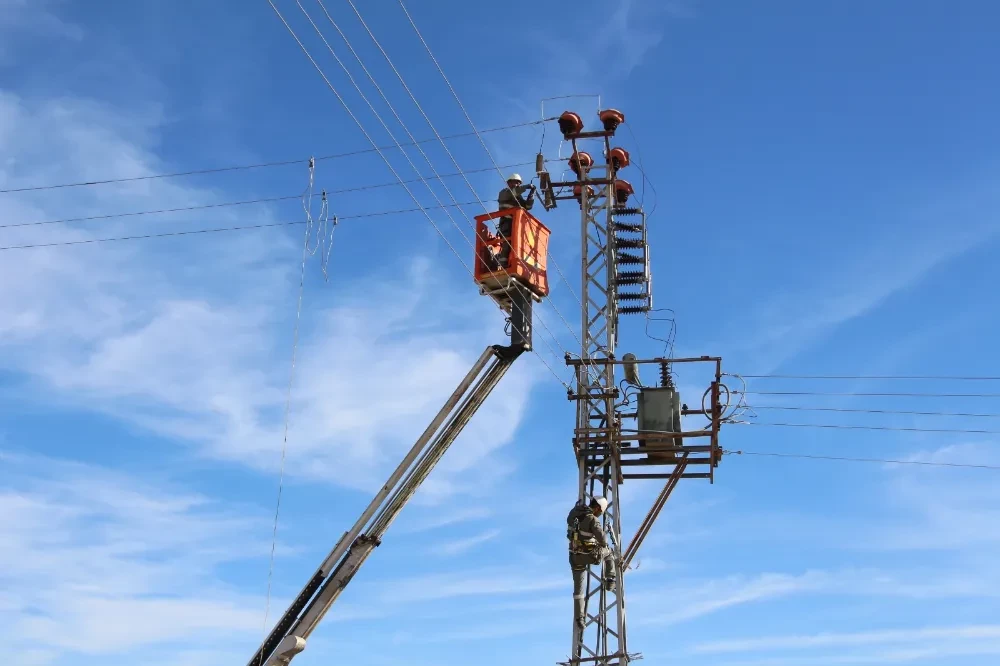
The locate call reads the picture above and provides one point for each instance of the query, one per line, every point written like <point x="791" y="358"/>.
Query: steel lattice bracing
<point x="603" y="640"/>
<point x="616" y="280"/>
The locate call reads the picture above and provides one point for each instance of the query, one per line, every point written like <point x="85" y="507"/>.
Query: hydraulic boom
<point x="288" y="638"/>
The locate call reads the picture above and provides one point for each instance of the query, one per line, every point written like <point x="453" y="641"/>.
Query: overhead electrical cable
<point x="875" y="395"/>
<point x="955" y="378"/>
<point x="806" y="456"/>
<point x="437" y="134"/>
<point x="900" y="412"/>
<point x="289" y="197"/>
<point x="288" y="393"/>
<point x="642" y="171"/>
<point x="430" y="124"/>
<point x="835" y="426"/>
<point x="262" y="165"/>
<point x="168" y="234"/>
<point x="392" y="109"/>
<point x="488" y="153"/>
<point x="385" y="126"/>
<point x="388" y="164"/>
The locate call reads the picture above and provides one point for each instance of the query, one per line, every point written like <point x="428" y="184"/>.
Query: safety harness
<point x="580" y="541"/>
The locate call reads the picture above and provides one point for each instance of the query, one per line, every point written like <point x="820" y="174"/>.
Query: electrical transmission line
<point x="834" y="426"/>
<point x="382" y="122"/>
<point x="245" y="202"/>
<point x="805" y="456"/>
<point x="168" y="234"/>
<point x="430" y="124"/>
<point x="262" y="165"/>
<point x="957" y="378"/>
<point x="423" y="209"/>
<point x="900" y="412"/>
<point x="874" y="395"/>
<point x="478" y="134"/>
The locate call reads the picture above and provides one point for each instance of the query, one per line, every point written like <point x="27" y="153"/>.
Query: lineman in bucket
<point x="512" y="196"/>
<point x="588" y="546"/>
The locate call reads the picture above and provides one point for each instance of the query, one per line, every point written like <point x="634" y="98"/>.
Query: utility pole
<point x="615" y="280"/>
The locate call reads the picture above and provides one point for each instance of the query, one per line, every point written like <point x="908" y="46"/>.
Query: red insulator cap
<point x="570" y="124"/>
<point x="623" y="190"/>
<point x="578" y="190"/>
<point x="611" y="118"/>
<point x="619" y="158"/>
<point x="580" y="159"/>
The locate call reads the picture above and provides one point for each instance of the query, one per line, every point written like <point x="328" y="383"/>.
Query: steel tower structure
<point x="615" y="280"/>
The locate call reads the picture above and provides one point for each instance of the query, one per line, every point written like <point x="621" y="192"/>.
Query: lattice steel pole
<point x="603" y="640"/>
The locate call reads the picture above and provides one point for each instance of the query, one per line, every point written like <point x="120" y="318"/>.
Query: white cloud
<point x="714" y="596"/>
<point x="647" y="565"/>
<point x="929" y="509"/>
<point x="851" y="639"/>
<point x="903" y="655"/>
<point x="481" y="582"/>
<point x="445" y="519"/>
<point x="707" y="597"/>
<point x="93" y="562"/>
<point x="21" y="20"/>
<point x="196" y="351"/>
<point x="855" y="281"/>
<point x="459" y="546"/>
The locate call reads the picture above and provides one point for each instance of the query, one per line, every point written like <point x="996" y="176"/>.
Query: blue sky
<point x="826" y="201"/>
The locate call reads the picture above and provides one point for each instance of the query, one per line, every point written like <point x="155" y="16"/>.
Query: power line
<point x="382" y="122"/>
<point x="478" y="134"/>
<point x="874" y="411"/>
<point x="245" y="202"/>
<point x="875" y="395"/>
<point x="262" y="165"/>
<point x="430" y="124"/>
<point x="835" y="426"/>
<point x="967" y="378"/>
<point x="213" y="230"/>
<point x="375" y="147"/>
<point x="806" y="456"/>
<point x="288" y="405"/>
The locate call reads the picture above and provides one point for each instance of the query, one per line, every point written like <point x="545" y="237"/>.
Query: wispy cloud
<point x="939" y="229"/>
<point x="459" y="546"/>
<point x="482" y="582"/>
<point x="851" y="639"/>
<point x="28" y="19"/>
<point x="92" y="562"/>
<point x="198" y="352"/>
<point x="442" y="518"/>
<point x="716" y="595"/>
<point x="925" y="511"/>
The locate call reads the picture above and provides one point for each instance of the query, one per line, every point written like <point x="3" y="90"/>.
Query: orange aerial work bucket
<point x="526" y="262"/>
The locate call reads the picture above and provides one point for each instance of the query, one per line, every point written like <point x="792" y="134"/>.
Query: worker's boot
<point x="577" y="638"/>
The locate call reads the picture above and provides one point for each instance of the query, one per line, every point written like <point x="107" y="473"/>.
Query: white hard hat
<point x="601" y="502"/>
<point x="514" y="176"/>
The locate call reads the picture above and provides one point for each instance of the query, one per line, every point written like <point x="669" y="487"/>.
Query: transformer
<point x="660" y="412"/>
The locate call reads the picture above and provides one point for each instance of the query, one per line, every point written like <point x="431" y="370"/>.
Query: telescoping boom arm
<point x="288" y="638"/>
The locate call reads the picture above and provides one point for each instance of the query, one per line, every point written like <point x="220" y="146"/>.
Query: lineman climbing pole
<point x="615" y="281"/>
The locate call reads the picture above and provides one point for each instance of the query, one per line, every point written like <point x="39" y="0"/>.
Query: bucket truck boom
<point x="289" y="635"/>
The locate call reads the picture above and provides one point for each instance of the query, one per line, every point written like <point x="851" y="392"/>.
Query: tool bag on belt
<point x="582" y="543"/>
